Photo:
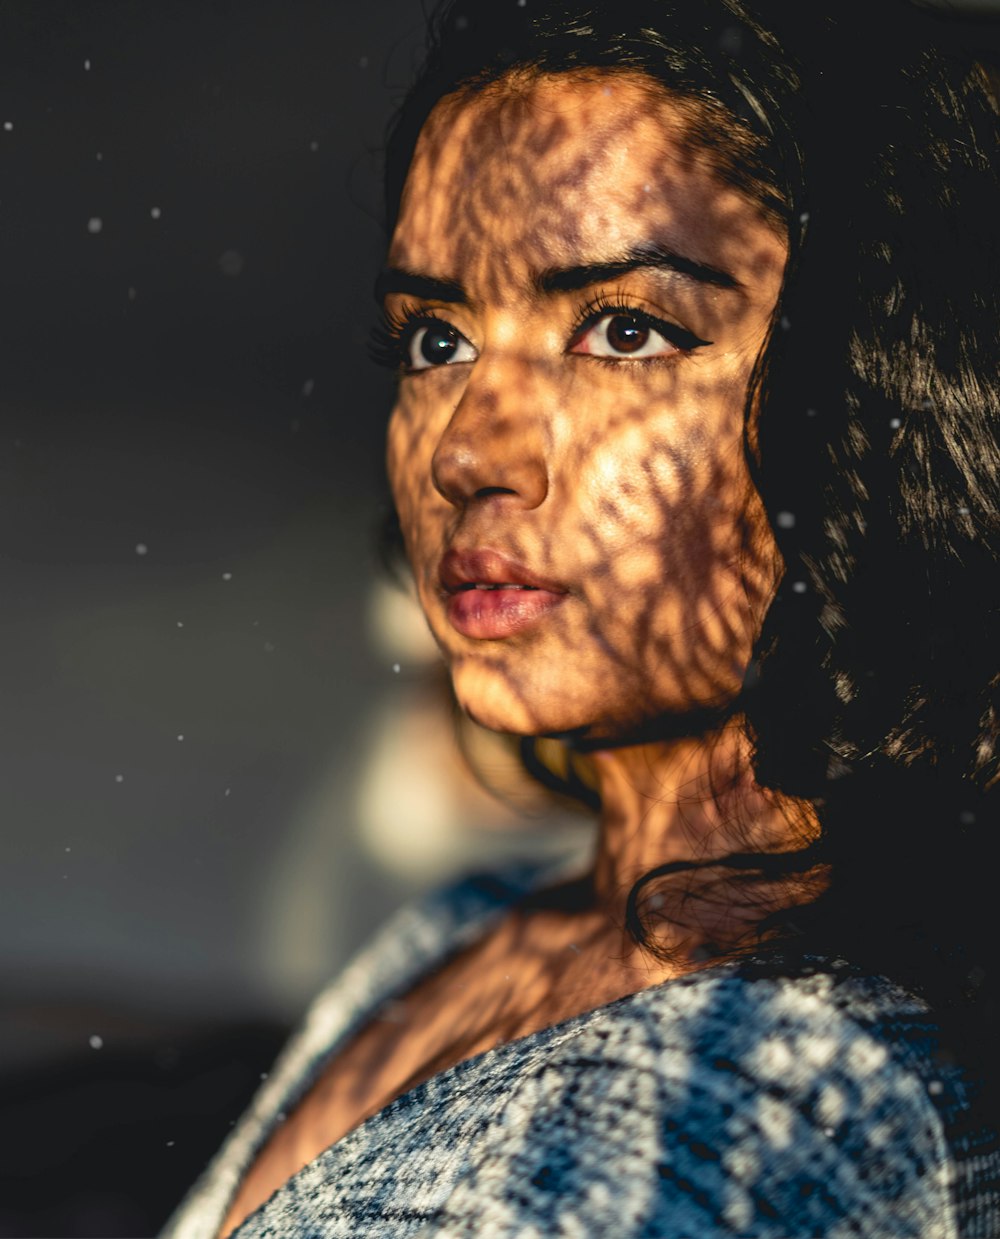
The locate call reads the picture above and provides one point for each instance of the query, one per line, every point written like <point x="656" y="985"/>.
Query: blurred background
<point x="218" y="774"/>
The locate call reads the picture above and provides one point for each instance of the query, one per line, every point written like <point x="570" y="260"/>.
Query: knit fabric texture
<point x="772" y="1098"/>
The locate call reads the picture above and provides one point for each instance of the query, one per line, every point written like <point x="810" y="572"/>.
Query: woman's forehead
<point x="562" y="169"/>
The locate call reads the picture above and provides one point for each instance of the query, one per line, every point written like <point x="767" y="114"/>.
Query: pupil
<point x="438" y="344"/>
<point x="625" y="334"/>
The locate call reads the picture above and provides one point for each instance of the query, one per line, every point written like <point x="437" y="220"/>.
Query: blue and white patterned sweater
<point x="732" y="1102"/>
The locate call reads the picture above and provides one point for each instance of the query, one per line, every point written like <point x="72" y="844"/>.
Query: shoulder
<point x="733" y="1101"/>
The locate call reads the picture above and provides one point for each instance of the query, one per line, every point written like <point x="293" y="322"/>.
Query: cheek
<point x="396" y="442"/>
<point x="403" y="475"/>
<point x="673" y="540"/>
<point x="667" y="481"/>
<point x="409" y="446"/>
<point x="415" y="426"/>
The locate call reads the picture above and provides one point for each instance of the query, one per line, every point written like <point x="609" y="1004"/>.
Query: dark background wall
<point x="190" y="455"/>
<point x="190" y="481"/>
<point x="190" y="477"/>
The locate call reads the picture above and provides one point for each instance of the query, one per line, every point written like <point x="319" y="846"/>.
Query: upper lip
<point x="461" y="569"/>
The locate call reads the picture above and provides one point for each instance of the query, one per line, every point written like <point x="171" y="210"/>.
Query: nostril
<point x="484" y="492"/>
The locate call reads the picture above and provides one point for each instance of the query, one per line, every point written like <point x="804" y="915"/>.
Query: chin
<point x="494" y="700"/>
<point x="491" y="698"/>
<point x="491" y="701"/>
<point x="511" y="718"/>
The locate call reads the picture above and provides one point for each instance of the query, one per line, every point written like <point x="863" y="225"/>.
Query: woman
<point x="695" y="459"/>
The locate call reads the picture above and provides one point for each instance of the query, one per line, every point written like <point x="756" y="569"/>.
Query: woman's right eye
<point x="436" y="344"/>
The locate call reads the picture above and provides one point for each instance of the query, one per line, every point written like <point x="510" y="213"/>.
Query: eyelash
<point x="390" y="338"/>
<point x="618" y="303"/>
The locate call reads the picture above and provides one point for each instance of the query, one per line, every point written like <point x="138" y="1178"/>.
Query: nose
<point x="493" y="445"/>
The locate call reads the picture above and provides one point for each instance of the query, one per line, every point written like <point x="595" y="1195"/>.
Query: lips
<point x="490" y="596"/>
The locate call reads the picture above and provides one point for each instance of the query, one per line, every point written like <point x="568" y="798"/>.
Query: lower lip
<point x="490" y="614"/>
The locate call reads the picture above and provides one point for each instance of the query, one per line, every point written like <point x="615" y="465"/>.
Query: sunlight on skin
<point x="622" y="481"/>
<point x="619" y="483"/>
<point x="607" y="464"/>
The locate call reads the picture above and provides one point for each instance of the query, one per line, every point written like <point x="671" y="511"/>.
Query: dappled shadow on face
<point x="618" y="479"/>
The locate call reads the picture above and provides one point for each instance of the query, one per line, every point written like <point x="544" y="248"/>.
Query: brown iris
<point x="626" y="335"/>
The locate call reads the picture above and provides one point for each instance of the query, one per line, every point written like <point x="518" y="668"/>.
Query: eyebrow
<point x="561" y="279"/>
<point x="396" y="280"/>
<point x="573" y="279"/>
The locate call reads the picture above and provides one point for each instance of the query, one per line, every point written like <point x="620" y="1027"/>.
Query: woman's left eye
<point x="436" y="344"/>
<point x="625" y="336"/>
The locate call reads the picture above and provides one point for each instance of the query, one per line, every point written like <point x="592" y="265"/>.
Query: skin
<point x="623" y="481"/>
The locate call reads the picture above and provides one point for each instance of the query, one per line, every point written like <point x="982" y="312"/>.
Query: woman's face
<point x="579" y="300"/>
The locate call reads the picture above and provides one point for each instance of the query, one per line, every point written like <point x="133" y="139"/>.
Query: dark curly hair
<point x="873" y="434"/>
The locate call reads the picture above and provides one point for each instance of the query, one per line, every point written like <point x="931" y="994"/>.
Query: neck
<point x="690" y="799"/>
